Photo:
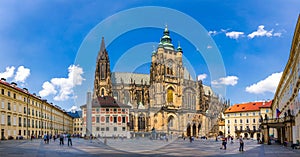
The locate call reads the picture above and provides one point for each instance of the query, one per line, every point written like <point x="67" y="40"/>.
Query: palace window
<point x="2" y="91"/>
<point x="8" y="120"/>
<point x="107" y="119"/>
<point x="107" y="128"/>
<point x="20" y="121"/>
<point x="241" y="121"/>
<point x="97" y="129"/>
<point x="247" y="121"/>
<point x="253" y="120"/>
<point x="115" y="119"/>
<point x="8" y="106"/>
<point x="2" y="104"/>
<point x="8" y="93"/>
<point x="123" y="119"/>
<point x="115" y="129"/>
<point x="235" y="121"/>
<point x="98" y="120"/>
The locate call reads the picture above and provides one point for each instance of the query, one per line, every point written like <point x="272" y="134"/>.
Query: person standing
<point x="241" y="144"/>
<point x="45" y="138"/>
<point x="69" y="139"/>
<point x="61" y="139"/>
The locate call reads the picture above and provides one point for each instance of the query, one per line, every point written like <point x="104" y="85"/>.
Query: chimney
<point x="14" y="84"/>
<point x="25" y="90"/>
<point x="3" y="79"/>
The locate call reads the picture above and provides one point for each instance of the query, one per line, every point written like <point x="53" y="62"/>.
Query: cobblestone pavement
<point x="140" y="147"/>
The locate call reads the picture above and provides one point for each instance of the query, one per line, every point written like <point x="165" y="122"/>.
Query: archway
<point x="194" y="130"/>
<point x="141" y="122"/>
<point x="199" y="128"/>
<point x="131" y="122"/>
<point x="170" y="123"/>
<point x="188" y="130"/>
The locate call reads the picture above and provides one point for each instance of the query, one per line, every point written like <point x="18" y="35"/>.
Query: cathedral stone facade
<point x="167" y="100"/>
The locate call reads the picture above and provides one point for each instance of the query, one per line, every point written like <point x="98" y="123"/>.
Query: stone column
<point x="88" y="114"/>
<point x="266" y="134"/>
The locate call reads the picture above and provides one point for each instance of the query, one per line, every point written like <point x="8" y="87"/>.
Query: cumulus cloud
<point x="48" y="89"/>
<point x="63" y="85"/>
<point x="260" y="32"/>
<point x="202" y="77"/>
<point x="229" y="80"/>
<point x="22" y="74"/>
<point x="9" y="72"/>
<point x="269" y="84"/>
<point x="234" y="34"/>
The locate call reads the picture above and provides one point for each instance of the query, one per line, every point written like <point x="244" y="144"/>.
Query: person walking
<point x="69" y="139"/>
<point x="241" y="144"/>
<point x="45" y="138"/>
<point x="61" y="139"/>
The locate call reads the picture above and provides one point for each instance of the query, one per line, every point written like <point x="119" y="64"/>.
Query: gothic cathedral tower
<point x="166" y="74"/>
<point x="102" y="82"/>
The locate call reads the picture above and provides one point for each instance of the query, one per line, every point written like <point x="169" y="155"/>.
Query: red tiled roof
<point x="250" y="106"/>
<point x="107" y="101"/>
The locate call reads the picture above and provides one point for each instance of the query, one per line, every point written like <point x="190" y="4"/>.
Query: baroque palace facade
<point x="23" y="114"/>
<point x="167" y="100"/>
<point x="286" y="104"/>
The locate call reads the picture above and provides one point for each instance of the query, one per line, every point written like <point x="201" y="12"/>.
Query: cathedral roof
<point x="107" y="101"/>
<point x="119" y="77"/>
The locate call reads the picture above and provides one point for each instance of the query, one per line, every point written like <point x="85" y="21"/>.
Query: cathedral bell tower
<point x="166" y="74"/>
<point x="102" y="82"/>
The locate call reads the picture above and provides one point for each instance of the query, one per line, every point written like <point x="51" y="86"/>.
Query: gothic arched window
<point x="102" y="71"/>
<point x="170" y="95"/>
<point x="102" y="92"/>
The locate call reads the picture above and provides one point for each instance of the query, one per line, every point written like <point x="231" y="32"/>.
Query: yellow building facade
<point x="244" y="119"/>
<point x="23" y="115"/>
<point x="286" y="104"/>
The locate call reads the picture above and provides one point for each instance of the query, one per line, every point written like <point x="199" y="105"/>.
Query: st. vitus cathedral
<point x="167" y="100"/>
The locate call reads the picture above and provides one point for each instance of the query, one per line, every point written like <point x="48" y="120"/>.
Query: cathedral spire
<point x="102" y="82"/>
<point x="102" y="47"/>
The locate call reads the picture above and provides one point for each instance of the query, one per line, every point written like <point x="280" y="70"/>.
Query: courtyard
<point x="140" y="147"/>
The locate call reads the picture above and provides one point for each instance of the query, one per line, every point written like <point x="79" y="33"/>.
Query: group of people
<point x="61" y="137"/>
<point x="224" y="142"/>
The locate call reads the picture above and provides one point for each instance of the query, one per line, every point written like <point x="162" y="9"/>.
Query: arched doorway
<point x="199" y="128"/>
<point x="194" y="130"/>
<point x="170" y="123"/>
<point x="188" y="130"/>
<point x="131" y="122"/>
<point x="141" y="123"/>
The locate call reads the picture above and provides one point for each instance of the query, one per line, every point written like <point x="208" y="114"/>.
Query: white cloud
<point x="22" y="74"/>
<point x="202" y="77"/>
<point x="64" y="85"/>
<point x="261" y="32"/>
<point x="48" y="89"/>
<point x="278" y="34"/>
<point x="73" y="109"/>
<point x="9" y="72"/>
<point x="269" y="84"/>
<point x="212" y="33"/>
<point x="234" y="34"/>
<point x="229" y="80"/>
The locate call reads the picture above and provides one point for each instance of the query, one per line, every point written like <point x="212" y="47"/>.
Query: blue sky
<point x="40" y="40"/>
